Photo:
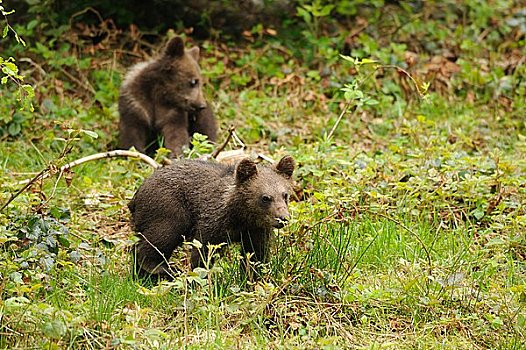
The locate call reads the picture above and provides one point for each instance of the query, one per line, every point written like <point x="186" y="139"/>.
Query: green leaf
<point x="352" y="94"/>
<point x="14" y="129"/>
<point x="28" y="90"/>
<point x="325" y="11"/>
<point x="478" y="213"/>
<point x="90" y="133"/>
<point x="16" y="302"/>
<point x="32" y="24"/>
<point x="350" y="59"/>
<point x="368" y="61"/>
<point x="16" y="277"/>
<point x="19" y="39"/>
<point x="18" y="117"/>
<point x="4" y="32"/>
<point x="10" y="68"/>
<point x="55" y="329"/>
<point x="304" y="14"/>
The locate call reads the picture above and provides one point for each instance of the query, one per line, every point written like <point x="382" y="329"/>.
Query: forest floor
<point x="408" y="226"/>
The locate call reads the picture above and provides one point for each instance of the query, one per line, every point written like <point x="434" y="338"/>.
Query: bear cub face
<point x="266" y="194"/>
<point x="184" y="87"/>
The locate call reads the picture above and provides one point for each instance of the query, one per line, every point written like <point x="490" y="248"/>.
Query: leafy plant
<point x="200" y="146"/>
<point x="25" y="92"/>
<point x="408" y="219"/>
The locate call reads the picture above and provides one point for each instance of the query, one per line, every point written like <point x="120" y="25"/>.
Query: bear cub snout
<point x="213" y="203"/>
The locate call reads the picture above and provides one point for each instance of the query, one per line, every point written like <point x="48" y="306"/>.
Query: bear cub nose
<point x="281" y="221"/>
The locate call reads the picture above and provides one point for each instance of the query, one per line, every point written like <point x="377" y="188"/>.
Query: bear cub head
<point x="184" y="88"/>
<point x="265" y="192"/>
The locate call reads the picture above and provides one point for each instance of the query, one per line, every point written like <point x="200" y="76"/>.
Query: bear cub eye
<point x="194" y="82"/>
<point x="266" y="199"/>
<point x="286" y="197"/>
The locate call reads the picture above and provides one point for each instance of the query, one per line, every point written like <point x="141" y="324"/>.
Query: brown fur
<point x="213" y="203"/>
<point x="164" y="97"/>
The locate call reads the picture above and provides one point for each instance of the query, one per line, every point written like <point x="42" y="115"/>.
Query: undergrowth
<point x="408" y="227"/>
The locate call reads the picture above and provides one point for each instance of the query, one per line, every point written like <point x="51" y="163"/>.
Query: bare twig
<point x="81" y="12"/>
<point x="85" y="85"/>
<point x="223" y="145"/>
<point x="29" y="183"/>
<point x="238" y="140"/>
<point x="110" y="154"/>
<point x="34" y="64"/>
<point x="266" y="158"/>
<point x="171" y="273"/>
<point x="47" y="171"/>
<point x="421" y="91"/>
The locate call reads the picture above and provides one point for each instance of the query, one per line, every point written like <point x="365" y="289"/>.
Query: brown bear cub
<point x="213" y="203"/>
<point x="164" y="97"/>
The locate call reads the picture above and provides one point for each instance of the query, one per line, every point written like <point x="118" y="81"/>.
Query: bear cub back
<point x="213" y="203"/>
<point x="164" y="97"/>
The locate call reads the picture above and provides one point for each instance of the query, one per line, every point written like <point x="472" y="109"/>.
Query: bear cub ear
<point x="245" y="170"/>
<point x="175" y="47"/>
<point x="286" y="166"/>
<point x="194" y="52"/>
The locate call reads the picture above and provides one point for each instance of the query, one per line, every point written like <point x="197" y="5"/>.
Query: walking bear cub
<point x="213" y="203"/>
<point x="164" y="96"/>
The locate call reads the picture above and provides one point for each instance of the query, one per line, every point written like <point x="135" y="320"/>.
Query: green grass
<point x="408" y="231"/>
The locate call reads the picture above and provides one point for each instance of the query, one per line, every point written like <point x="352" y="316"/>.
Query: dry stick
<point x="110" y="154"/>
<point x="266" y="158"/>
<point x="29" y="183"/>
<point x="45" y="173"/>
<point x="85" y="85"/>
<point x="34" y="64"/>
<point x="223" y="145"/>
<point x="238" y="140"/>
<point x="418" y="88"/>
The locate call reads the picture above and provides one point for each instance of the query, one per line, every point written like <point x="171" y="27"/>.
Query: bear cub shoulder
<point x="210" y="202"/>
<point x="164" y="97"/>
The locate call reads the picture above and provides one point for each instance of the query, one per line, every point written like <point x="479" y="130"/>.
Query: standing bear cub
<point x="213" y="203"/>
<point x="164" y="97"/>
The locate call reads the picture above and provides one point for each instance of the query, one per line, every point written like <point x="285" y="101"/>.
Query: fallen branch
<point x="45" y="173"/>
<point x="111" y="154"/>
